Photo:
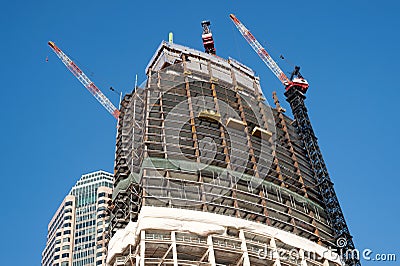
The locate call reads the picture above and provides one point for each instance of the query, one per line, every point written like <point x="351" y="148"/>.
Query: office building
<point x="76" y="233"/>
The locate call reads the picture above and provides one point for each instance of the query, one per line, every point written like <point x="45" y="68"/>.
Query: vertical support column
<point x="246" y="260"/>
<point x="302" y="257"/>
<point x="261" y="99"/>
<point x="191" y="113"/>
<point x="234" y="196"/>
<point x="194" y="132"/>
<point x="278" y="168"/>
<point x="146" y="118"/>
<point x="287" y="136"/>
<point x="174" y="250"/>
<point x="211" y="254"/>
<point x="134" y="155"/>
<point x="246" y="130"/>
<point x="137" y="260"/>
<point x="146" y="133"/>
<point x="223" y="136"/>
<point x="144" y="194"/>
<point x="248" y="138"/>
<point x="142" y="247"/>
<point x="275" y="254"/>
<point x="289" y="212"/>
<point x="221" y="128"/>
<point x="265" y="209"/>
<point x="163" y="138"/>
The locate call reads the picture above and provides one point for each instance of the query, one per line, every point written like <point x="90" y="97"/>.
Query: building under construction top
<point x="207" y="173"/>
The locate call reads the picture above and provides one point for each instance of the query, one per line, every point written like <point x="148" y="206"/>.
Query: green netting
<point x="194" y="167"/>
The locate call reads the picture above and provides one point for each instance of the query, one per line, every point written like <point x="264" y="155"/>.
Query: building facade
<point x="207" y="173"/>
<point x="77" y="232"/>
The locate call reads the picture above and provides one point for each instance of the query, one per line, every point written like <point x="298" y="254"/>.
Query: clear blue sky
<point x="53" y="130"/>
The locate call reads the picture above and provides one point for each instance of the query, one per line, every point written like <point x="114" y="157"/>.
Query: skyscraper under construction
<point x="207" y="173"/>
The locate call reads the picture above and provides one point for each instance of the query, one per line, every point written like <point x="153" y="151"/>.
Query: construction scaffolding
<point x="199" y="136"/>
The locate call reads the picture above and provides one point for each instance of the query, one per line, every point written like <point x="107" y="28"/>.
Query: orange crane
<point x="296" y="87"/>
<point x="78" y="73"/>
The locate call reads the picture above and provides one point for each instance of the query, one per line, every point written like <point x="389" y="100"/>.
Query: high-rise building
<point x="77" y="232"/>
<point x="207" y="173"/>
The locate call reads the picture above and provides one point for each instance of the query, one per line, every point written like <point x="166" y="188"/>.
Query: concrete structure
<point x="76" y="233"/>
<point x="207" y="173"/>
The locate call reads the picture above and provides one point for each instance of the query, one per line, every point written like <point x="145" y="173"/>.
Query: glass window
<point x="102" y="201"/>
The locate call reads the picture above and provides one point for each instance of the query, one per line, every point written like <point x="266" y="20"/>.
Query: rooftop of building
<point x="168" y="54"/>
<point x="93" y="177"/>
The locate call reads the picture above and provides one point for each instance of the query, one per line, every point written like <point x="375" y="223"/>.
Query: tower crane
<point x="296" y="87"/>
<point x="78" y="73"/>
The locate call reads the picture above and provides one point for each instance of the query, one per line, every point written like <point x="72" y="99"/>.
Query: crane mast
<point x="296" y="100"/>
<point x="78" y="73"/>
<point x="296" y="87"/>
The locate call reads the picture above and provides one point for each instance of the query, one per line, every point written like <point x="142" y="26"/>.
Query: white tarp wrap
<point x="203" y="223"/>
<point x="121" y="240"/>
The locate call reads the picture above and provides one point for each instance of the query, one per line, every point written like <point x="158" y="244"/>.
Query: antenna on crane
<point x="78" y="73"/>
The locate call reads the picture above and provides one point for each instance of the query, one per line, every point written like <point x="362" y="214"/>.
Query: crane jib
<point x="89" y="85"/>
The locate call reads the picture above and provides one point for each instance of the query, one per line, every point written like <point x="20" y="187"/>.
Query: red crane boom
<point x="267" y="59"/>
<point x="78" y="73"/>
